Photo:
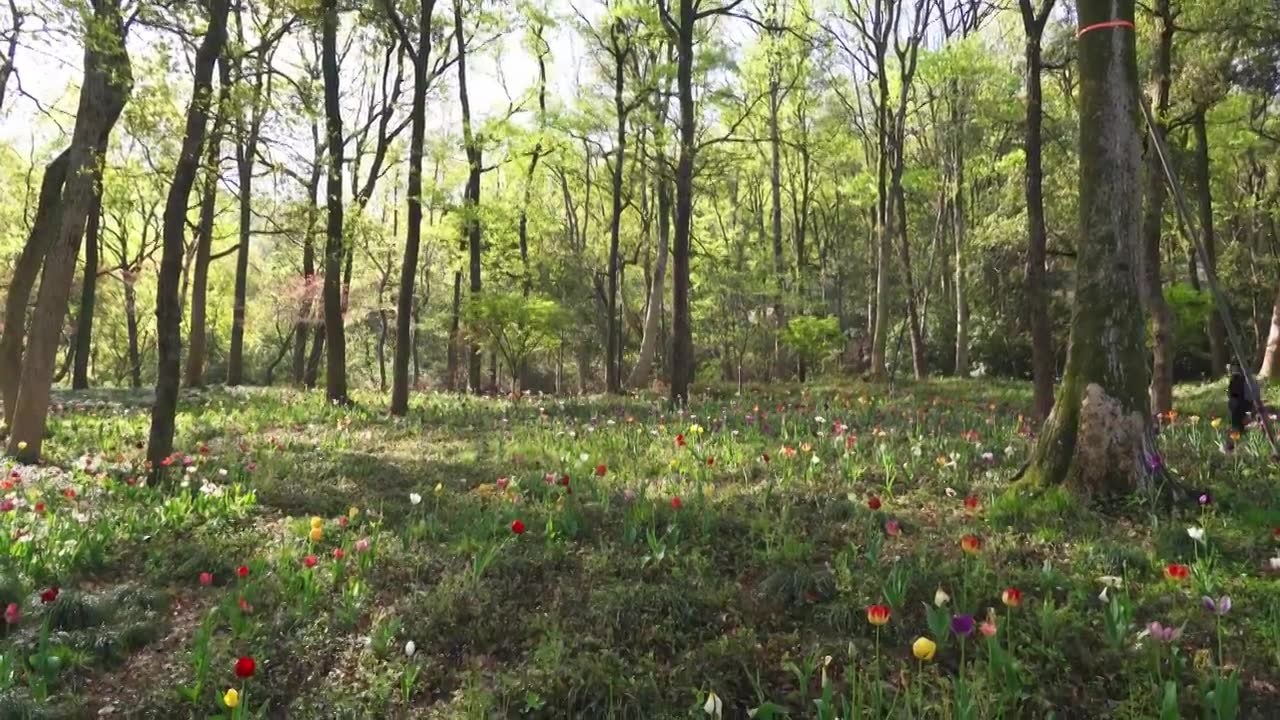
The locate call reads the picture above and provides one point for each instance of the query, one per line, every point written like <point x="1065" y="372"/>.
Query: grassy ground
<point x="652" y="579"/>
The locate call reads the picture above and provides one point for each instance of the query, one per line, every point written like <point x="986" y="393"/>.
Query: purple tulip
<point x="1163" y="634"/>
<point x="1221" y="606"/>
<point x="962" y="625"/>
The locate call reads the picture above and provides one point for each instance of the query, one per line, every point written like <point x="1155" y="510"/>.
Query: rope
<point x="1211" y="274"/>
<point x="1103" y="26"/>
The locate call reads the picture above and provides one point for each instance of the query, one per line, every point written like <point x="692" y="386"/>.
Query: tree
<point x="1099" y="435"/>
<point x="334" y="248"/>
<point x="108" y="81"/>
<point x="88" y="294"/>
<point x="515" y="326"/>
<point x="1153" y="224"/>
<point x="813" y="338"/>
<point x="471" y="196"/>
<point x="44" y="231"/>
<point x="168" y="303"/>
<point x="413" y="237"/>
<point x="198" y="332"/>
<point x="1042" y="355"/>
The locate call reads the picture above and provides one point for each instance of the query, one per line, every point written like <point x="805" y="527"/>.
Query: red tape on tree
<point x="1104" y="26"/>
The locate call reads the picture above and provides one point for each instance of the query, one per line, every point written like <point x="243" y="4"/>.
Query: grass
<point x="731" y="573"/>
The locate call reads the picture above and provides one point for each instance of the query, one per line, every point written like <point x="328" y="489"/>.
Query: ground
<point x="610" y="558"/>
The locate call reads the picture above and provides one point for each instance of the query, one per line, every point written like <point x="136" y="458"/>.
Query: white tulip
<point x="941" y="598"/>
<point x="410" y="648"/>
<point x="713" y="707"/>
<point x="1196" y="533"/>
<point x="415" y="498"/>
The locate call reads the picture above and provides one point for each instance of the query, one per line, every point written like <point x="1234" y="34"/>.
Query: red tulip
<point x="601" y="469"/>
<point x="39" y="507"/>
<point x="680" y="440"/>
<point x="711" y="462"/>
<point x="675" y="502"/>
<point x="243" y="571"/>
<point x="49" y="595"/>
<point x="517" y="527"/>
<point x="69" y="493"/>
<point x="1012" y="597"/>
<point x="878" y="614"/>
<point x="1177" y="572"/>
<point x="971" y="544"/>
<point x="971" y="503"/>
<point x="206" y="579"/>
<point x="892" y="528"/>
<point x="245" y="667"/>
<point x="764" y="457"/>
<point x="874" y="502"/>
<point x="310" y="561"/>
<point x="339" y="553"/>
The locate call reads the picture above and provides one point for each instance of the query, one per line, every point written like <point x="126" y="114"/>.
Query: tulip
<point x="1177" y="572"/>
<point x="962" y="625"/>
<point x="517" y="527"/>
<point x="316" y="534"/>
<point x="310" y="561"/>
<point x="1012" y="597"/>
<point x="675" y="502"/>
<point x="231" y="698"/>
<point x="924" y="648"/>
<point x="414" y="498"/>
<point x="1221" y="606"/>
<point x="13" y="614"/>
<point x="878" y="615"/>
<point x="245" y="668"/>
<point x="206" y="579"/>
<point x="874" y="502"/>
<point x="317" y="522"/>
<point x="971" y="544"/>
<point x="941" y="598"/>
<point x="243" y="571"/>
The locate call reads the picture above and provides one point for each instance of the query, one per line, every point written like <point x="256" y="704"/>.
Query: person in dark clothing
<point x="1239" y="399"/>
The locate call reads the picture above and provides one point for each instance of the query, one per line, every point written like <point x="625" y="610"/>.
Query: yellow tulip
<point x="316" y="534"/>
<point x="22" y="445"/>
<point x="1216" y="423"/>
<point x="232" y="698"/>
<point x="317" y="522"/>
<point x="924" y="648"/>
<point x="352" y="512"/>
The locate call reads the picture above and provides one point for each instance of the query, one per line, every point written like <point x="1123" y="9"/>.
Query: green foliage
<point x="813" y="338"/>
<point x="514" y="325"/>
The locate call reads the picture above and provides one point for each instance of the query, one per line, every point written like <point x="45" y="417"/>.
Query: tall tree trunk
<point x="88" y="295"/>
<point x="108" y="82"/>
<point x="1042" y="353"/>
<point x="613" y="327"/>
<point x="312" y="377"/>
<point x="471" y="197"/>
<point x="335" y="333"/>
<point x="653" y="313"/>
<point x="455" y="333"/>
<point x="198" y="340"/>
<point x="960" y="231"/>
<point x="303" y="325"/>
<point x="884" y="220"/>
<point x="1153" y="225"/>
<point x="44" y="233"/>
<point x="682" y="354"/>
<point x="543" y="49"/>
<point x="168" y="304"/>
<point x="1099" y="435"/>
<point x="1217" y="332"/>
<point x="405" y="307"/>
<point x="913" y="310"/>
<point x="134" y="342"/>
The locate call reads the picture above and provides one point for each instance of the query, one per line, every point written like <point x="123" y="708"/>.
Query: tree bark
<point x="1042" y="353"/>
<point x="613" y="328"/>
<point x="168" y="303"/>
<point x="1217" y="332"/>
<point x="132" y="333"/>
<point x="1099" y="436"/>
<point x="108" y="82"/>
<point x="471" y="198"/>
<point x="198" y="341"/>
<point x="1153" y="225"/>
<point x="1271" y="359"/>
<point x="44" y="232"/>
<point x="303" y="325"/>
<point x="413" y="236"/>
<point x="653" y="313"/>
<point x="682" y="354"/>
<point x="88" y="295"/>
<point x="335" y="333"/>
<point x="913" y="309"/>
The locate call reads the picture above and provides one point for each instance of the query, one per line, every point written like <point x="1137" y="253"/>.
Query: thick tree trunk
<point x="653" y="313"/>
<point x="302" y="327"/>
<point x="168" y="304"/>
<point x="312" y="376"/>
<point x="44" y="232"/>
<point x="1153" y="225"/>
<point x="108" y="82"/>
<point x="682" y="354"/>
<point x="405" y="306"/>
<point x="335" y="333"/>
<point x="1042" y="352"/>
<point x="1099" y="435"/>
<point x="88" y="295"/>
<point x="1217" y="331"/>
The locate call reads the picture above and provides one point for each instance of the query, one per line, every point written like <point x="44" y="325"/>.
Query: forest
<point x="677" y="334"/>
